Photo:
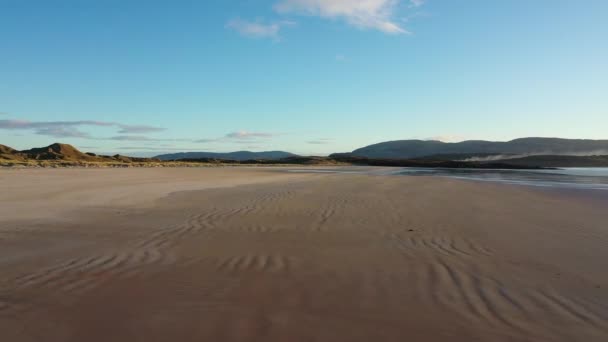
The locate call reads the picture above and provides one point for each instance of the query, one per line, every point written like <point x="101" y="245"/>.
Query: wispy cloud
<point x="365" y="14"/>
<point x="124" y="132"/>
<point x="148" y="148"/>
<point x="258" y="29"/>
<point x="417" y="3"/>
<point x="131" y="138"/>
<point x="124" y="129"/>
<point x="26" y="124"/>
<point x="249" y="135"/>
<point x="71" y="129"/>
<point x="240" y="137"/>
<point x="204" y="141"/>
<point x="62" y="132"/>
<point x="141" y="138"/>
<point x="322" y="141"/>
<point x="57" y="129"/>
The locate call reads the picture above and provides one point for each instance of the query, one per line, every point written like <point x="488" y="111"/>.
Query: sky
<point x="142" y="77"/>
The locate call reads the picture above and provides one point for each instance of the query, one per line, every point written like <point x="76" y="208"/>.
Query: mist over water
<point x="576" y="178"/>
<point x="496" y="157"/>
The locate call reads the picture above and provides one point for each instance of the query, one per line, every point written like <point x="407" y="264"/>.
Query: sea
<point x="571" y="178"/>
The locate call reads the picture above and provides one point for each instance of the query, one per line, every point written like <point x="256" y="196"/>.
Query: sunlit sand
<point x="237" y="254"/>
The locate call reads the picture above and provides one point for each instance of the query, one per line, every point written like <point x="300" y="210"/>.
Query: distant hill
<point x="6" y="150"/>
<point x="407" y="149"/>
<point x="520" y="153"/>
<point x="57" y="151"/>
<point x="238" y="156"/>
<point x="63" y="152"/>
<point x="8" y="153"/>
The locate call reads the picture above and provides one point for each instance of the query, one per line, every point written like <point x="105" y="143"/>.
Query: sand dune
<point x="265" y="255"/>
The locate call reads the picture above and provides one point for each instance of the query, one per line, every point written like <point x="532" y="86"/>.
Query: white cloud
<point x="321" y="141"/>
<point x="131" y="138"/>
<point x="365" y="14"/>
<point x="248" y="135"/>
<point x="204" y="141"/>
<point x="148" y="148"/>
<point x="258" y="29"/>
<point x="138" y="129"/>
<point x="240" y="137"/>
<point x="417" y="3"/>
<point x="69" y="129"/>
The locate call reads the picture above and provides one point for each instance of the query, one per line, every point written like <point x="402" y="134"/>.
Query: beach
<point x="262" y="254"/>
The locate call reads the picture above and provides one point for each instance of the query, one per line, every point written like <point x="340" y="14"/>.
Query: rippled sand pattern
<point x="319" y="257"/>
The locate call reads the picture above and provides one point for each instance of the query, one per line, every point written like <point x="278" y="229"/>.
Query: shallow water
<point x="578" y="178"/>
<point x="574" y="178"/>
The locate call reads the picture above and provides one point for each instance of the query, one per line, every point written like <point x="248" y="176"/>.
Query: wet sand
<point x="239" y="254"/>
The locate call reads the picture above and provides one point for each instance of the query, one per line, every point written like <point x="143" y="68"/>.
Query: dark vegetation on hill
<point x="427" y="163"/>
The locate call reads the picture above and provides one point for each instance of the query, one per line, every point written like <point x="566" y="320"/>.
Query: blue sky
<point x="307" y="76"/>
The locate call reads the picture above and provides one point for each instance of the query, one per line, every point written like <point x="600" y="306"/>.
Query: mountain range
<point x="525" y="152"/>
<point x="238" y="156"/>
<point x="408" y="149"/>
